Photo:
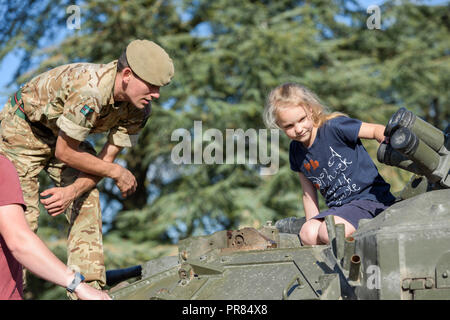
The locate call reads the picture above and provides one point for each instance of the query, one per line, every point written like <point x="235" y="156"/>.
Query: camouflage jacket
<point x="78" y="99"/>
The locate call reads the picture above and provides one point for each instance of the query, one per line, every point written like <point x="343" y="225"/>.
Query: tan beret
<point x="150" y="62"/>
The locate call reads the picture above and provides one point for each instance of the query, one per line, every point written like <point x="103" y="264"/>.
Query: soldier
<point x="44" y="125"/>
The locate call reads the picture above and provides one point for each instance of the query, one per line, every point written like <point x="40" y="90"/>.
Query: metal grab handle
<point x="291" y="283"/>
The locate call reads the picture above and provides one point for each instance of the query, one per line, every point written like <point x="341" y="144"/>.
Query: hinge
<point x="417" y="283"/>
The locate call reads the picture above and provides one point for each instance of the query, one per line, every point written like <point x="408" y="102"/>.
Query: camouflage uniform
<point x="77" y="99"/>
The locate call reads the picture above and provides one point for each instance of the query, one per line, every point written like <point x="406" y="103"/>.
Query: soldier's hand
<point x="58" y="199"/>
<point x="125" y="181"/>
<point x="86" y="292"/>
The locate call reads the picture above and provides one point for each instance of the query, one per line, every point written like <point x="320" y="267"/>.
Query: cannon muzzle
<point x="428" y="133"/>
<point x="407" y="143"/>
<point x="388" y="155"/>
<point x="417" y="146"/>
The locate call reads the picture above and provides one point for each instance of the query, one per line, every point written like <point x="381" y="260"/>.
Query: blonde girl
<point x="328" y="155"/>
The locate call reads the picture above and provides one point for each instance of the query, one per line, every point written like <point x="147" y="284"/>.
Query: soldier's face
<point x="139" y="92"/>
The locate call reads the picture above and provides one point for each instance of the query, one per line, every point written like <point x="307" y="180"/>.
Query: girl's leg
<point x="309" y="233"/>
<point x="323" y="232"/>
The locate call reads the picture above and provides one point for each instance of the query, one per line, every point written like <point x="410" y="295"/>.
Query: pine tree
<point x="228" y="55"/>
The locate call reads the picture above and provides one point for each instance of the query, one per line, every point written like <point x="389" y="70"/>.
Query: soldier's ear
<point x="126" y="74"/>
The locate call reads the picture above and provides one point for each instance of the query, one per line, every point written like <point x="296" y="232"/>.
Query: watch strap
<point x="75" y="282"/>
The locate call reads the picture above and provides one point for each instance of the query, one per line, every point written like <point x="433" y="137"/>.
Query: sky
<point x="10" y="63"/>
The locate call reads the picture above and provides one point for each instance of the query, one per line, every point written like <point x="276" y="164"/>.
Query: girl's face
<point x="297" y="123"/>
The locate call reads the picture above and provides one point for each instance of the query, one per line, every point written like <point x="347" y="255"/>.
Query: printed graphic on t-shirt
<point x="312" y="163"/>
<point x="332" y="177"/>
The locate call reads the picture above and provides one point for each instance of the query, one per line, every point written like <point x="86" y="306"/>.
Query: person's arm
<point x="67" y="152"/>
<point x="372" y="131"/>
<point x="32" y="253"/>
<point x="62" y="197"/>
<point x="309" y="196"/>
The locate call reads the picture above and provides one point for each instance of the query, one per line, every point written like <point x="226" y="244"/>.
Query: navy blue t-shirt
<point x="339" y="166"/>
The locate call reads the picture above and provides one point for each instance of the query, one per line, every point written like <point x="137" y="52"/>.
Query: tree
<point x="228" y="55"/>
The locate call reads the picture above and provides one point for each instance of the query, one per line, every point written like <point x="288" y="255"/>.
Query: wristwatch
<point x="75" y="282"/>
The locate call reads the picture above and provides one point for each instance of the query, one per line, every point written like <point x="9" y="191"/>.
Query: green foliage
<point x="228" y="55"/>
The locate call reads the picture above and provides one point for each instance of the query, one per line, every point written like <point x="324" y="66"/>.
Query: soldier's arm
<point x="86" y="182"/>
<point x="62" y="197"/>
<point x="67" y="151"/>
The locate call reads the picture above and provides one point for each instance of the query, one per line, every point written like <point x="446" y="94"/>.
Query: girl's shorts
<point x="355" y="211"/>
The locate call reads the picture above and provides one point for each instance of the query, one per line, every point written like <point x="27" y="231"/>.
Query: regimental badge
<point x="86" y="110"/>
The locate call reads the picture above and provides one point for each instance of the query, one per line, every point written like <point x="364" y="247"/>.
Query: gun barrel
<point x="429" y="134"/>
<point x="388" y="155"/>
<point x="405" y="141"/>
<point x="118" y="275"/>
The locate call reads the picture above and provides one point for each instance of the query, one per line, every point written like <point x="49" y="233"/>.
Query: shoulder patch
<point x="86" y="110"/>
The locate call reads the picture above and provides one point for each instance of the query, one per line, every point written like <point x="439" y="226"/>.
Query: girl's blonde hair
<point x="295" y="95"/>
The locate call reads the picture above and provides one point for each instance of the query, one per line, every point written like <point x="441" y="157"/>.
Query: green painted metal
<point x="403" y="253"/>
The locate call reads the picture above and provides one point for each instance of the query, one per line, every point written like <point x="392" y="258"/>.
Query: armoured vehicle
<point x="403" y="253"/>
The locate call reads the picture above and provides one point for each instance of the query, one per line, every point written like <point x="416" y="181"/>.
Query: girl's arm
<point x="310" y="203"/>
<point x="372" y="131"/>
